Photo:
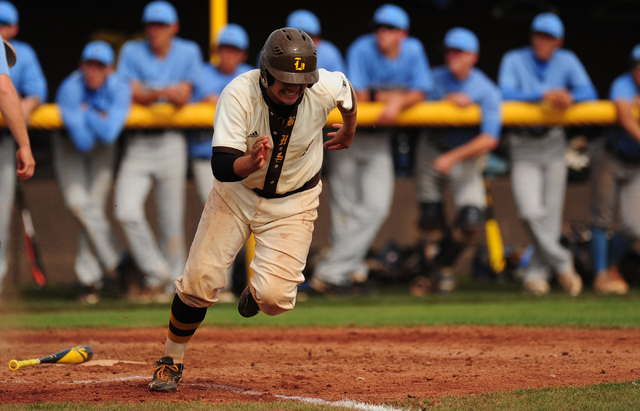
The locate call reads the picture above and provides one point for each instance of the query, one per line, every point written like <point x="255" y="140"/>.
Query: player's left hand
<point x="340" y="139"/>
<point x="26" y="163"/>
<point x="443" y="164"/>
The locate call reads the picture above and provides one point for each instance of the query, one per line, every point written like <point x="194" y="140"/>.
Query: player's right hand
<point x="260" y="152"/>
<point x="26" y="163"/>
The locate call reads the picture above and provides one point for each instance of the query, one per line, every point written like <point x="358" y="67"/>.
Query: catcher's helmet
<point x="289" y="55"/>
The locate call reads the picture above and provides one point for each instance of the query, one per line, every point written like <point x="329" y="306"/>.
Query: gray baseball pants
<point x="616" y="182"/>
<point x="7" y="194"/>
<point x="85" y="180"/>
<point x="538" y="180"/>
<point x="160" y="159"/>
<point x="465" y="178"/>
<point x="362" y="181"/>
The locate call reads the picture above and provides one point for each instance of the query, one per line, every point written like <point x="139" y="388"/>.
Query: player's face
<point x="544" y="45"/>
<point x="94" y="73"/>
<point x="160" y="34"/>
<point x="230" y="58"/>
<point x="460" y="62"/>
<point x="389" y="39"/>
<point x="8" y="32"/>
<point x="285" y="94"/>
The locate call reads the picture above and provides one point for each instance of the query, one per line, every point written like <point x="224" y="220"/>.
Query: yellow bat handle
<point x="14" y="364"/>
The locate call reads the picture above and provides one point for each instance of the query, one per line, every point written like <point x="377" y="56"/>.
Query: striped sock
<point x="183" y="324"/>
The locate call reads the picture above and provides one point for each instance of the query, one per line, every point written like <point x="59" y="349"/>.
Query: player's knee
<point x="274" y="300"/>
<point x="128" y="216"/>
<point x="431" y="219"/>
<point x="470" y="225"/>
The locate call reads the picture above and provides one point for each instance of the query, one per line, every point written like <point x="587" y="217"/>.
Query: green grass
<point x="477" y="305"/>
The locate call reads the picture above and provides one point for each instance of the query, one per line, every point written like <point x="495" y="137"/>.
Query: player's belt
<point x="306" y="186"/>
<point x="535" y="131"/>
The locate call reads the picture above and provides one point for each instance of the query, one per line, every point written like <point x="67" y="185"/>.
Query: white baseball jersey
<point x="242" y="115"/>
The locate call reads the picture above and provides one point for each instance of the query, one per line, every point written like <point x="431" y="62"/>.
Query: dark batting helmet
<point x="289" y="55"/>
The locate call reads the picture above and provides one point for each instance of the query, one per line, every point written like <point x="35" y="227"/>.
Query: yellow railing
<point x="443" y="114"/>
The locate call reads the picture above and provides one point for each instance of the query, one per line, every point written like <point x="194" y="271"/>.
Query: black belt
<point x="536" y="131"/>
<point x="306" y="186"/>
<point x="621" y="155"/>
<point x="144" y="132"/>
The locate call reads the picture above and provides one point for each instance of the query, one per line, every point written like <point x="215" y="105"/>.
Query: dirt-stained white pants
<point x="282" y="227"/>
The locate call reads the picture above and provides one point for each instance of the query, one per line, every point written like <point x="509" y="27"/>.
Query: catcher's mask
<point x="290" y="56"/>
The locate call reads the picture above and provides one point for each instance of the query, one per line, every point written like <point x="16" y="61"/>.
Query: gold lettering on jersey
<point x="291" y="121"/>
<point x="299" y="64"/>
<point x="283" y="139"/>
<point x="279" y="157"/>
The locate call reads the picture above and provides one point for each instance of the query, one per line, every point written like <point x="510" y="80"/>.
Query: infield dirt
<point x="370" y="365"/>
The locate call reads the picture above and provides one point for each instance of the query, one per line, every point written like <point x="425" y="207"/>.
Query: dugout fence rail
<point x="434" y="114"/>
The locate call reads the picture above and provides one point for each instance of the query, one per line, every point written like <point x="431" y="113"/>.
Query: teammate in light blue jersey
<point x="454" y="156"/>
<point x="94" y="104"/>
<point x="546" y="73"/>
<point x="232" y="46"/>
<point x="329" y="57"/>
<point x="616" y="184"/>
<point x="160" y="68"/>
<point x="31" y="88"/>
<point x="391" y="67"/>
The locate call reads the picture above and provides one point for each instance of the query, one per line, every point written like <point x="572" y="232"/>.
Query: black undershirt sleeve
<point x="222" y="167"/>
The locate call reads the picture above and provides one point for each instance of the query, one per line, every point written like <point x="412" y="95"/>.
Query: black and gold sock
<point x="183" y="324"/>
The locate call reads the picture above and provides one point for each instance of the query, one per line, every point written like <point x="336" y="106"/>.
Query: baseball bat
<point x="73" y="355"/>
<point x="495" y="245"/>
<point x="33" y="254"/>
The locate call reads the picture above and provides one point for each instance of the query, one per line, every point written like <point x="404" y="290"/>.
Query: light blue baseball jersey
<point x="329" y="57"/>
<point x="93" y="115"/>
<point x="523" y="77"/>
<point x="26" y="74"/>
<point x="482" y="91"/>
<point x="182" y="63"/>
<point x="4" y="66"/>
<point x="211" y="81"/>
<point x="623" y="88"/>
<point x="368" y="69"/>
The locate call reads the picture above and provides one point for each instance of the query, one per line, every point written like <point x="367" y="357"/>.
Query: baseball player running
<point x="160" y="68"/>
<point x="616" y="180"/>
<point x="543" y="72"/>
<point x="31" y="86"/>
<point x="267" y="154"/>
<point x="391" y="67"/>
<point x="453" y="156"/>
<point x="94" y="104"/>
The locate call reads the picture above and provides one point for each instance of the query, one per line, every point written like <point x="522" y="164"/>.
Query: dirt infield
<point x="360" y="364"/>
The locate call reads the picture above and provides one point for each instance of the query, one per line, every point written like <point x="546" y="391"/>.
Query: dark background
<point x="601" y="32"/>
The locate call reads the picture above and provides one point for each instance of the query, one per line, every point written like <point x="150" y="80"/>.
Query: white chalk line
<point x="342" y="403"/>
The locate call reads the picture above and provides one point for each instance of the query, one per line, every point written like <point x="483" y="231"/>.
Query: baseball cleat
<point x="610" y="282"/>
<point x="537" y="287"/>
<point x="247" y="306"/>
<point x="571" y="282"/>
<point x="166" y="376"/>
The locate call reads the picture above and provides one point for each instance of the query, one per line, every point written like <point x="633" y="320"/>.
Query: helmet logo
<point x="299" y="64"/>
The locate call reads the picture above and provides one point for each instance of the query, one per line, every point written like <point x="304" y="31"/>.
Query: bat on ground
<point x="33" y="255"/>
<point x="73" y="355"/>
<point x="495" y="245"/>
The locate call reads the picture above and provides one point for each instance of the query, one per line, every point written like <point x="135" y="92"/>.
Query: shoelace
<point x="163" y="368"/>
